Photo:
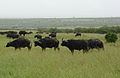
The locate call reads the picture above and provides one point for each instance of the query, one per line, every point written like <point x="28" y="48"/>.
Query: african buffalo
<point x="13" y="36"/>
<point x="22" y="33"/>
<point x="2" y="33"/>
<point x="30" y="32"/>
<point x="77" y="34"/>
<point x="38" y="36"/>
<point x="8" y="32"/>
<point x="11" y="32"/>
<point x="95" y="43"/>
<point x="20" y="43"/>
<point x="39" y="32"/>
<point x="76" y="45"/>
<point x="52" y="35"/>
<point x="47" y="43"/>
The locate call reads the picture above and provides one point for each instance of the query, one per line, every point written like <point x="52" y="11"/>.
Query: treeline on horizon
<point x="100" y="30"/>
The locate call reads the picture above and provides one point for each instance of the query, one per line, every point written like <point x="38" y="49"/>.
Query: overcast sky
<point x="59" y="8"/>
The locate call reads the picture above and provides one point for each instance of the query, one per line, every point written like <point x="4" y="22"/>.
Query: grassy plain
<point x="60" y="64"/>
<point x="35" y="23"/>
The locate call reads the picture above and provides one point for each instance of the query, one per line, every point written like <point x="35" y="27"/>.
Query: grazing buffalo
<point x="38" y="36"/>
<point x="20" y="43"/>
<point x="8" y="32"/>
<point x="95" y="43"/>
<point x="54" y="32"/>
<point x="76" y="45"/>
<point x="11" y="32"/>
<point x="22" y="33"/>
<point x="77" y="34"/>
<point x="2" y="33"/>
<point x="30" y="32"/>
<point x="52" y="35"/>
<point x="13" y="36"/>
<point x="47" y="43"/>
<point x="39" y="32"/>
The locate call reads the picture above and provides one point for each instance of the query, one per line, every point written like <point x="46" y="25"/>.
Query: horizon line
<point x="54" y="17"/>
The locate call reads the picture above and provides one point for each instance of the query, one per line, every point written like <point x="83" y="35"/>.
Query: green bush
<point x="111" y="37"/>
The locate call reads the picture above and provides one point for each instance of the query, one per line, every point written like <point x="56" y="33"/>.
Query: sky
<point x="59" y="8"/>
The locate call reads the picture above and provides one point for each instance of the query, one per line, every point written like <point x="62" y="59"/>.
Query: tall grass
<point x="60" y="64"/>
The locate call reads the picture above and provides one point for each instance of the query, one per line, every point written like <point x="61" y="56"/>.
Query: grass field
<point x="60" y="64"/>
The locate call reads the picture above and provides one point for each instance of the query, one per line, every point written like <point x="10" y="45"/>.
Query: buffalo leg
<point x="15" y="48"/>
<point x="43" y="49"/>
<point x="19" y="48"/>
<point x="58" y="49"/>
<point x="55" y="48"/>
<point x="29" y="47"/>
<point x="72" y="51"/>
<point x="23" y="34"/>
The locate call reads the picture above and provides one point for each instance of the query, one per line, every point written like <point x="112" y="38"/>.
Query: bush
<point x="111" y="37"/>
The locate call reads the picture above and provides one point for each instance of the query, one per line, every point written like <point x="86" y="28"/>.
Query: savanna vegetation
<point x="111" y="37"/>
<point x="35" y="23"/>
<point x="60" y="64"/>
<point x="100" y="30"/>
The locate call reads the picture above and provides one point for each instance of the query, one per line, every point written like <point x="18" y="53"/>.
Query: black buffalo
<point x="8" y="32"/>
<point x="39" y="32"/>
<point x="38" y="36"/>
<point x="13" y="36"/>
<point x="23" y="33"/>
<point x="2" y="33"/>
<point x="95" y="43"/>
<point x="30" y="32"/>
<point x="47" y="43"/>
<point x="11" y="32"/>
<point x="76" y="45"/>
<point x="20" y="43"/>
<point x="77" y="34"/>
<point x="52" y="35"/>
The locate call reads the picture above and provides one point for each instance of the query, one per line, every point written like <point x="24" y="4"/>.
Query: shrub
<point x="111" y="37"/>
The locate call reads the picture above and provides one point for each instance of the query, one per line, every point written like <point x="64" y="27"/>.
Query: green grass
<point x="60" y="64"/>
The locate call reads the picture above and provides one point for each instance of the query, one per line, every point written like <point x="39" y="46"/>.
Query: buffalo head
<point x="37" y="43"/>
<point x="8" y="44"/>
<point x="64" y="43"/>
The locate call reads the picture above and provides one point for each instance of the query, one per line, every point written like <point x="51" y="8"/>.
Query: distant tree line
<point x="100" y="30"/>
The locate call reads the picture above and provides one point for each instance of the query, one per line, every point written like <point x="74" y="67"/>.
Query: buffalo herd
<point x="52" y="42"/>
